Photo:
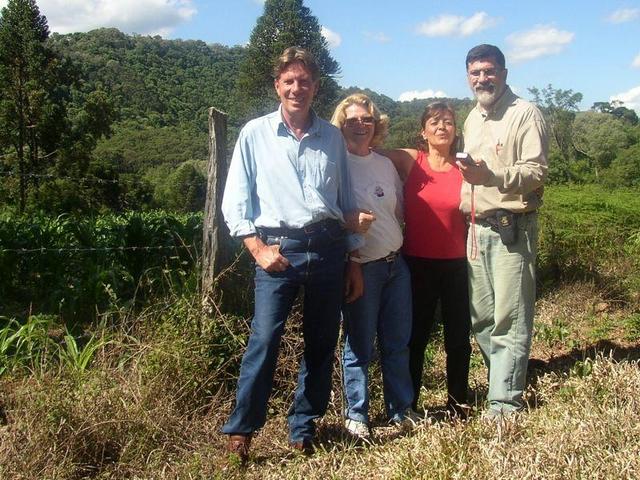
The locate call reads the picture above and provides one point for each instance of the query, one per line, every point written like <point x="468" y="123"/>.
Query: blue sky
<point x="407" y="48"/>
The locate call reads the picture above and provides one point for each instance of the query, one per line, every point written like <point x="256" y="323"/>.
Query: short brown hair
<point x="432" y="110"/>
<point x="382" y="121"/>
<point x="293" y="55"/>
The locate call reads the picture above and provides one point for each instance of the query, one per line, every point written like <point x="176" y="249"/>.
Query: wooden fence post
<point x="215" y="235"/>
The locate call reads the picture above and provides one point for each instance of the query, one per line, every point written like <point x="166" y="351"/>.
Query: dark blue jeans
<point x="317" y="264"/>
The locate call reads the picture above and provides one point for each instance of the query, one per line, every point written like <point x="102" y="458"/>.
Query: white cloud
<point x="631" y="98"/>
<point x="540" y="41"/>
<point x="476" y="23"/>
<point x="333" y="39"/>
<point x="636" y="61"/>
<point x="146" y="17"/>
<point x="417" y="94"/>
<point x="453" y="25"/>
<point x="623" y="15"/>
<point x="378" y="37"/>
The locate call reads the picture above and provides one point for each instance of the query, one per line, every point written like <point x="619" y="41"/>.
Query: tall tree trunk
<point x="21" y="141"/>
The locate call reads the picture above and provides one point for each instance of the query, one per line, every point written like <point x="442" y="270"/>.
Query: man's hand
<point x="359" y="221"/>
<point x="353" y="282"/>
<point x="267" y="256"/>
<point x="475" y="172"/>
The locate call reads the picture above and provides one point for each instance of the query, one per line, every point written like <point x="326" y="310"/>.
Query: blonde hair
<point x="381" y="121"/>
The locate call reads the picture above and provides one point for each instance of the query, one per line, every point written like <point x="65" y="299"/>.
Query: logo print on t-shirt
<point x="378" y="192"/>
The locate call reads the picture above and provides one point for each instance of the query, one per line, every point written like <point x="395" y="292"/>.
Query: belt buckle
<point x="391" y="257"/>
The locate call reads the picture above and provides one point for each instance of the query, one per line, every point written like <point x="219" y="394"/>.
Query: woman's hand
<point x="359" y="221"/>
<point x="353" y="282"/>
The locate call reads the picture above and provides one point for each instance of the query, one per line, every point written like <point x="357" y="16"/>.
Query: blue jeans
<point x="502" y="293"/>
<point x="385" y="310"/>
<point x="317" y="264"/>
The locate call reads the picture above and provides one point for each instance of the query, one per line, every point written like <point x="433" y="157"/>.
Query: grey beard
<point x="485" y="98"/>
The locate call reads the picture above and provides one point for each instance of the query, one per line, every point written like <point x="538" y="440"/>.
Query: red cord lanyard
<point x="473" y="254"/>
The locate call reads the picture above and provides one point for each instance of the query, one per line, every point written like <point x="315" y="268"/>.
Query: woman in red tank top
<point x="434" y="247"/>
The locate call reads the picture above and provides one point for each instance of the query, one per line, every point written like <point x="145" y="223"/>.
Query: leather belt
<point x="307" y="230"/>
<point x="389" y="258"/>
<point x="491" y="220"/>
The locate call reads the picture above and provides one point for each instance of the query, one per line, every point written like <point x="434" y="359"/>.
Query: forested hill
<point x="161" y="90"/>
<point x="153" y="81"/>
<point x="159" y="83"/>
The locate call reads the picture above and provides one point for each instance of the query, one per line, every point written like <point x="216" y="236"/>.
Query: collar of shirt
<point x="282" y="129"/>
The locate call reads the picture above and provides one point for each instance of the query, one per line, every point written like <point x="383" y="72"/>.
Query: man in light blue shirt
<point x="286" y="196"/>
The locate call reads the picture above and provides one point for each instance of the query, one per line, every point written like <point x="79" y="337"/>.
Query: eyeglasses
<point x="356" y="121"/>
<point x="488" y="72"/>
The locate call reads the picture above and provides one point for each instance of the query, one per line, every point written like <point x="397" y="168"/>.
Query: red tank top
<point x="434" y="225"/>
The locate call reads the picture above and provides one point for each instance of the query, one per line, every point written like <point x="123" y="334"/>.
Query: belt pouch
<point x="507" y="226"/>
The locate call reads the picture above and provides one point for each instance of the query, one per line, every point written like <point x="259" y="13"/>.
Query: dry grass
<point x="153" y="401"/>
<point x="587" y="429"/>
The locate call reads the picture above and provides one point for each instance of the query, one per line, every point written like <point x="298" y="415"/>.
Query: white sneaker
<point x="357" y="429"/>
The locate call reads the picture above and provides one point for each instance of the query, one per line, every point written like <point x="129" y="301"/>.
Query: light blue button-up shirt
<point x="276" y="180"/>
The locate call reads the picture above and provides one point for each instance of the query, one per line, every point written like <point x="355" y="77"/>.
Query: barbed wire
<point x="24" y="251"/>
<point x="60" y="177"/>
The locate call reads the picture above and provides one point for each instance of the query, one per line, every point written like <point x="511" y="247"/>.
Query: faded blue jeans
<point x="502" y="293"/>
<point x="317" y="265"/>
<point x="384" y="311"/>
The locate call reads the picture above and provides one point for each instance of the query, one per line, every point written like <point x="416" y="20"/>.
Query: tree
<point x="624" y="170"/>
<point x="560" y="107"/>
<point x="43" y="131"/>
<point x="617" y="109"/>
<point x="182" y="189"/>
<point x="599" y="136"/>
<point x="283" y="24"/>
<point x="27" y="82"/>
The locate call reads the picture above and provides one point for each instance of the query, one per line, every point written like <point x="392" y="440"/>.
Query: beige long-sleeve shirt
<point x="512" y="139"/>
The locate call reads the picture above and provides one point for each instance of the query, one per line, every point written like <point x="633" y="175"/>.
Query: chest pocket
<point x="322" y="171"/>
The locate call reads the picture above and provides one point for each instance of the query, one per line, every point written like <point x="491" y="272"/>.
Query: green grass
<point x="632" y="327"/>
<point x="583" y="229"/>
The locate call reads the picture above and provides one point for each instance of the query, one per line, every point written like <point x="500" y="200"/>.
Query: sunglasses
<point x="356" y="121"/>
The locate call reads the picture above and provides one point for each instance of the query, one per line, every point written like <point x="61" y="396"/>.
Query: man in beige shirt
<point x="506" y="138"/>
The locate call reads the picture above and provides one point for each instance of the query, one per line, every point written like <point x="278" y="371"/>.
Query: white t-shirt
<point x="377" y="187"/>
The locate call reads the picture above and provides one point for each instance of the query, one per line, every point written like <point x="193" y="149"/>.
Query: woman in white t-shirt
<point x="384" y="309"/>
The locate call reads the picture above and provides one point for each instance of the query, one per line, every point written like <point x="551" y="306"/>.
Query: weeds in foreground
<point x="78" y="357"/>
<point x="150" y="402"/>
<point x="42" y="342"/>
<point x="27" y="345"/>
<point x="144" y="395"/>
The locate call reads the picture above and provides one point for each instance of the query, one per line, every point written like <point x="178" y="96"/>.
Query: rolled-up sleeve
<point x="239" y="191"/>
